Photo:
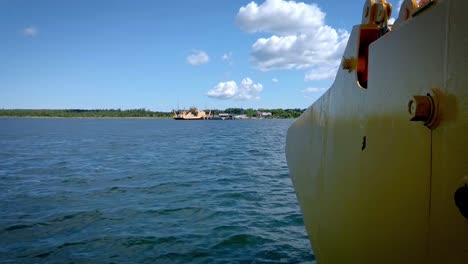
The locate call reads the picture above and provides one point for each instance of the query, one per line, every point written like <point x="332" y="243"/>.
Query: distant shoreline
<point x="86" y="117"/>
<point x="143" y="113"/>
<point x="123" y="117"/>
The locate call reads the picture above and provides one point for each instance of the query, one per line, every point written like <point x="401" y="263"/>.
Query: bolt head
<point x="420" y="108"/>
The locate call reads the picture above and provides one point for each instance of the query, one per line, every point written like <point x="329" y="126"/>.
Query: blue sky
<point x="158" y="54"/>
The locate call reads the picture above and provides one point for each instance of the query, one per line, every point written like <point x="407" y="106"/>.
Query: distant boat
<point x="241" y="117"/>
<point x="192" y="114"/>
<point x="221" y="116"/>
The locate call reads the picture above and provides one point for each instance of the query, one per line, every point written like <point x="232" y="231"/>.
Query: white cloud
<point x="323" y="47"/>
<point x="198" y="58"/>
<point x="227" y="58"/>
<point x="326" y="70"/>
<point x="300" y="39"/>
<point x="30" y="31"/>
<point x="313" y="90"/>
<point x="281" y="17"/>
<point x="274" y="80"/>
<point x="246" y="90"/>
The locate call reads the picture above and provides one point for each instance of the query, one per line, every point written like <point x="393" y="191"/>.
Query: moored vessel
<point x="379" y="162"/>
<point x="192" y="114"/>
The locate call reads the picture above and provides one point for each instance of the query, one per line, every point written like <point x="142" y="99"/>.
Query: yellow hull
<point x="375" y="187"/>
<point x="190" y="118"/>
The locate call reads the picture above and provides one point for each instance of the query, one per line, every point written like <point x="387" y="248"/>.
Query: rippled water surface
<point x="147" y="191"/>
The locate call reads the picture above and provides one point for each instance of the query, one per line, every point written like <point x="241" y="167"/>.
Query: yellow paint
<point x="392" y="201"/>
<point x="406" y="9"/>
<point x="376" y="13"/>
<point x="192" y="114"/>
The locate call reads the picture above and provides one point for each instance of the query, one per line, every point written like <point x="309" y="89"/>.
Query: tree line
<point x="275" y="113"/>
<point x="118" y="113"/>
<point x="82" y="113"/>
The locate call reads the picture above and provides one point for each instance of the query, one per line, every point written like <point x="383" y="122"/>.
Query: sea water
<point x="147" y="191"/>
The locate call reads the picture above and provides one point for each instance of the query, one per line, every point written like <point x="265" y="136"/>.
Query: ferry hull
<point x="183" y="118"/>
<point x="375" y="187"/>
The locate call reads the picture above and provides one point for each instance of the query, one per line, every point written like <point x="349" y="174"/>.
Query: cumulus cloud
<point x="299" y="51"/>
<point x="246" y="90"/>
<point x="30" y="31"/>
<point x="278" y="16"/>
<point x="198" y="58"/>
<point x="274" y="80"/>
<point x="300" y="39"/>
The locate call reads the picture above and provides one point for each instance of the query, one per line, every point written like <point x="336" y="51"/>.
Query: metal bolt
<point x="421" y="108"/>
